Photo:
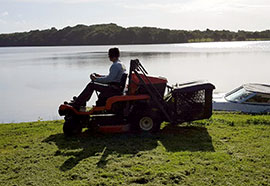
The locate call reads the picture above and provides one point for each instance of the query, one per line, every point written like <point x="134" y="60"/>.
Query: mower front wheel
<point x="72" y="127"/>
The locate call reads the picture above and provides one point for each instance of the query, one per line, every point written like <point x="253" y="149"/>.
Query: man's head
<point x="114" y="54"/>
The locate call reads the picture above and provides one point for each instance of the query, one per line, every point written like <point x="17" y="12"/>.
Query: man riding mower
<point x="140" y="106"/>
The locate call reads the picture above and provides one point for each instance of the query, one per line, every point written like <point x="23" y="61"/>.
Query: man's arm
<point x="114" y="70"/>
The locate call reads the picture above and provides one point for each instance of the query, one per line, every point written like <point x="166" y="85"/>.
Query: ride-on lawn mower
<point x="142" y="106"/>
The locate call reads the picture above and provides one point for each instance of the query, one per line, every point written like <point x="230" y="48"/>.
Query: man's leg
<point x="88" y="91"/>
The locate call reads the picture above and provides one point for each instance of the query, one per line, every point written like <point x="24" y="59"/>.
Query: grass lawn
<point x="228" y="149"/>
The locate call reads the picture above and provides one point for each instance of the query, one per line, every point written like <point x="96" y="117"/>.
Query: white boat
<point x="248" y="98"/>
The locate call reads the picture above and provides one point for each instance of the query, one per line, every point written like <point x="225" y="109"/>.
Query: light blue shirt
<point x="117" y="69"/>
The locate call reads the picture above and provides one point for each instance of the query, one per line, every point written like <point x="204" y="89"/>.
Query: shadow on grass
<point x="173" y="138"/>
<point x="186" y="138"/>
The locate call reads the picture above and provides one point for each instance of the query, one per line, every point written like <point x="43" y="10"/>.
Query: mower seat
<point x="118" y="91"/>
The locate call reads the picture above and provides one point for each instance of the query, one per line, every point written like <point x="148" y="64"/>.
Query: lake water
<point x="34" y="81"/>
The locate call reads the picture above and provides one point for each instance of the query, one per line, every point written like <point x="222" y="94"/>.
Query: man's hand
<point x="93" y="77"/>
<point x="97" y="75"/>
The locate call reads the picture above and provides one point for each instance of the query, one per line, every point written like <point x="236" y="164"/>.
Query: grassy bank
<point x="228" y="149"/>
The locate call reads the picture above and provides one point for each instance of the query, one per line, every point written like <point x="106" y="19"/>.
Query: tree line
<point x="106" y="34"/>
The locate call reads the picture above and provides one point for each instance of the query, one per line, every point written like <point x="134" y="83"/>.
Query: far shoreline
<point x="112" y="34"/>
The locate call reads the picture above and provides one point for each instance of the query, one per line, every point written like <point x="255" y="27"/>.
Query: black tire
<point x="147" y="122"/>
<point x="72" y="126"/>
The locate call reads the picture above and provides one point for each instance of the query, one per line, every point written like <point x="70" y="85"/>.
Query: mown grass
<point x="228" y="149"/>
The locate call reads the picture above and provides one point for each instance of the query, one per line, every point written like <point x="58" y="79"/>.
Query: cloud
<point x="2" y="17"/>
<point x="199" y="5"/>
<point x="60" y="1"/>
<point x="3" y="14"/>
<point x="2" y="21"/>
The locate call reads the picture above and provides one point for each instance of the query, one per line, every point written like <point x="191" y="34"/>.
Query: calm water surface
<point x="35" y="80"/>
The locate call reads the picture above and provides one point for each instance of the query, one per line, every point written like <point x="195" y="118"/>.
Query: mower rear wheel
<point x="146" y="123"/>
<point x="72" y="127"/>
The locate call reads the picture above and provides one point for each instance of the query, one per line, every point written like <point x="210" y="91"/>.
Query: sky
<point x="234" y="15"/>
